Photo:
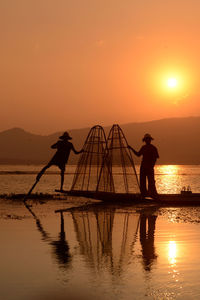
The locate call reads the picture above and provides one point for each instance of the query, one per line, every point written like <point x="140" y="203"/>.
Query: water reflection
<point x="172" y="252"/>
<point x="59" y="247"/>
<point x="171" y="182"/>
<point x="118" y="253"/>
<point x="107" y="238"/>
<point x="147" y="232"/>
<point x="168" y="169"/>
<point x="172" y="258"/>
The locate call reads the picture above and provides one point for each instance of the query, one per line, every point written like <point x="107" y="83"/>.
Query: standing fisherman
<point x="150" y="155"/>
<point x="61" y="156"/>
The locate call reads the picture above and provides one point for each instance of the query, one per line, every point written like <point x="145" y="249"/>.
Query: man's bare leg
<point x="42" y="172"/>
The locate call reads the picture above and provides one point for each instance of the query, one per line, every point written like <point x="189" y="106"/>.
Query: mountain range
<point x="177" y="140"/>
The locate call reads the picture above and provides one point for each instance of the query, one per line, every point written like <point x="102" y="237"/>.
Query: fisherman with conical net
<point x="149" y="156"/>
<point x="61" y="156"/>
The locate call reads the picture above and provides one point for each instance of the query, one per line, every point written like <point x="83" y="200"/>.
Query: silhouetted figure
<point x="150" y="155"/>
<point x="147" y="239"/>
<point x="61" y="156"/>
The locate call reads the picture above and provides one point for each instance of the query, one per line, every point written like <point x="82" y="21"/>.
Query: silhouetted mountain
<point x="177" y="140"/>
<point x="19" y="146"/>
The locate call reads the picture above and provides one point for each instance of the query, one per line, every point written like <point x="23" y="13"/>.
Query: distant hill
<point x="20" y="147"/>
<point x="177" y="139"/>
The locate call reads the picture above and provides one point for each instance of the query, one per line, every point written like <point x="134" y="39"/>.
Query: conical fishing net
<point x="89" y="165"/>
<point x="119" y="160"/>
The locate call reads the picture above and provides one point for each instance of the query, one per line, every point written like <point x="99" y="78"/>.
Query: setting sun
<point x="172" y="82"/>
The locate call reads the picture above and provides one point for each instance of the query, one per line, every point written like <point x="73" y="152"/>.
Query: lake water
<point x="102" y="252"/>
<point x="99" y="251"/>
<point x="20" y="178"/>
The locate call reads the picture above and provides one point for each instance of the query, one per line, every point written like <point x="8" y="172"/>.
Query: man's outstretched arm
<point x="137" y="153"/>
<point x="54" y="146"/>
<point x="76" y="152"/>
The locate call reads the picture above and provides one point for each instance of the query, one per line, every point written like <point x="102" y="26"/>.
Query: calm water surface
<point x="20" y="178"/>
<point x="104" y="252"/>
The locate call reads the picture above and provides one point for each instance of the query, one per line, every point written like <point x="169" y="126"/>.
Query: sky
<point x="69" y="64"/>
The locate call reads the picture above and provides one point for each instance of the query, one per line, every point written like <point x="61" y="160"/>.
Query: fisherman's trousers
<point x="147" y="174"/>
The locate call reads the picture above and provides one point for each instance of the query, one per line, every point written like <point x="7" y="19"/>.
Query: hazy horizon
<point x="86" y="127"/>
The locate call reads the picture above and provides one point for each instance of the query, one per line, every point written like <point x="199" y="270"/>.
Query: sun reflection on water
<point x="172" y="258"/>
<point x="169" y="169"/>
<point x="172" y="252"/>
<point x="168" y="179"/>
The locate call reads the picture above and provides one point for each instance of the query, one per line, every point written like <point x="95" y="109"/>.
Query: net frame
<point x="116" y="142"/>
<point x="90" y="162"/>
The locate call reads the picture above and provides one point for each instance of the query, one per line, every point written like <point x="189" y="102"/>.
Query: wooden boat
<point x="183" y="198"/>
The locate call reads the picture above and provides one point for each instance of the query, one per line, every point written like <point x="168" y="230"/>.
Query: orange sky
<point x="70" y="64"/>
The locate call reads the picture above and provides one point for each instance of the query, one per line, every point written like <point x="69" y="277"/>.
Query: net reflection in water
<point x="106" y="238"/>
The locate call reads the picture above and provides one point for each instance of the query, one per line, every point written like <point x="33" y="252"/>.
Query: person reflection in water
<point x="61" y="156"/>
<point x="60" y="248"/>
<point x="147" y="239"/>
<point x="150" y="155"/>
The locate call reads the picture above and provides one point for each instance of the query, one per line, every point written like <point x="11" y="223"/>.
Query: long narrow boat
<point x="184" y="198"/>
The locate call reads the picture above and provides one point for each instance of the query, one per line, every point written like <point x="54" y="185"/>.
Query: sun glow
<point x="172" y="82"/>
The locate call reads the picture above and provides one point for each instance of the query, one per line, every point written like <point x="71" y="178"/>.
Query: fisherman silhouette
<point x="61" y="156"/>
<point x="150" y="155"/>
